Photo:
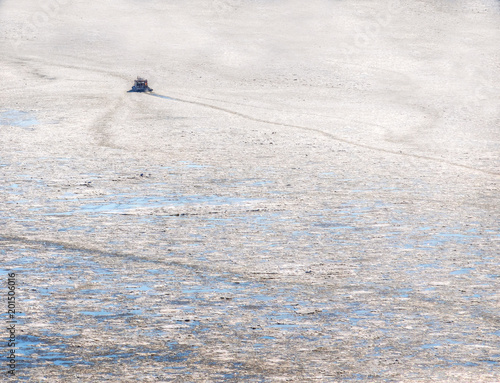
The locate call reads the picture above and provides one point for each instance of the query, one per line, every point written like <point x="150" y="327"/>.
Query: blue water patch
<point x="431" y="345"/>
<point x="429" y="266"/>
<point x="87" y="229"/>
<point x="267" y="337"/>
<point x="192" y="165"/>
<point x="29" y="346"/>
<point x="17" y="118"/>
<point x="465" y="270"/>
<point x="97" y="313"/>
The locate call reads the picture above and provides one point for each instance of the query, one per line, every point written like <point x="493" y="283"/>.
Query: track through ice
<point x="329" y="135"/>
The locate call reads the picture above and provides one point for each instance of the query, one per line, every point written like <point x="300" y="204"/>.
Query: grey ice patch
<point x="370" y="31"/>
<point x="38" y="19"/>
<point x="224" y="7"/>
<point x="472" y="89"/>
